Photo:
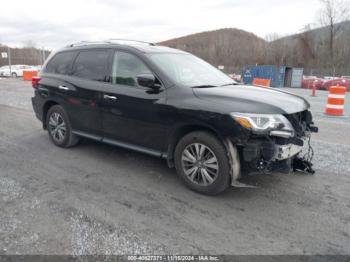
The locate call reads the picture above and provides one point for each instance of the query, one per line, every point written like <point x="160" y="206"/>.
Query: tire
<point x="57" y="119"/>
<point x="197" y="180"/>
<point x="14" y="75"/>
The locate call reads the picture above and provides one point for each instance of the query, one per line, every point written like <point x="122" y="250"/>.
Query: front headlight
<point x="265" y="123"/>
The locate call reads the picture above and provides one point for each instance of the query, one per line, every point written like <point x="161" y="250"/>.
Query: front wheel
<point x="14" y="75"/>
<point x="202" y="163"/>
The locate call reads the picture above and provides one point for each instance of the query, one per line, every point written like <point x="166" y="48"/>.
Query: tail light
<point x="35" y="81"/>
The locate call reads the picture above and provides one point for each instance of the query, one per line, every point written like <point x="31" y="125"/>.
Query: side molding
<point x="140" y="149"/>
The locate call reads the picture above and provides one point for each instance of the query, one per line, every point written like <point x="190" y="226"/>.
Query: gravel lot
<point x="99" y="199"/>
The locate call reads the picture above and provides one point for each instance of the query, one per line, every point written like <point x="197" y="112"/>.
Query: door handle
<point x="63" y="88"/>
<point x="109" y="97"/>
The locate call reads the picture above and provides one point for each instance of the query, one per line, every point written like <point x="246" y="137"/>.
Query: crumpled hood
<point x="249" y="99"/>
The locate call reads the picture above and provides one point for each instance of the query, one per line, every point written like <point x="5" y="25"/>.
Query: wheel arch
<point x="179" y="132"/>
<point x="46" y="107"/>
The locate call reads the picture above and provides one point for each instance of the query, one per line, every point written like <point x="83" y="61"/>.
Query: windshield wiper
<point x="203" y="86"/>
<point x="230" y="84"/>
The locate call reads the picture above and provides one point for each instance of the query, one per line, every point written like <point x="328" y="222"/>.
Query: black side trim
<point x="87" y="135"/>
<point x="122" y="144"/>
<point x="133" y="147"/>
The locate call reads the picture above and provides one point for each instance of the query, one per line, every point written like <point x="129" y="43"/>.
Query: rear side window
<point x="61" y="63"/>
<point x="92" y="65"/>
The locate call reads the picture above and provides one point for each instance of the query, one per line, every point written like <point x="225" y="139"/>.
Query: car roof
<point x="132" y="46"/>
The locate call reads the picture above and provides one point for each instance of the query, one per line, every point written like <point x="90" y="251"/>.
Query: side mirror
<point x="147" y="80"/>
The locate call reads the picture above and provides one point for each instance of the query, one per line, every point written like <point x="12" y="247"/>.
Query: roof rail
<point x="121" y="40"/>
<point x="82" y="43"/>
<point x="108" y="41"/>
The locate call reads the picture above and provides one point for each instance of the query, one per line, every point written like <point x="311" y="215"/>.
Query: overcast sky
<point x="57" y="23"/>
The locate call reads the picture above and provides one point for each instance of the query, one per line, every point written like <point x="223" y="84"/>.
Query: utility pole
<point x="9" y="57"/>
<point x="40" y="56"/>
<point x="44" y="58"/>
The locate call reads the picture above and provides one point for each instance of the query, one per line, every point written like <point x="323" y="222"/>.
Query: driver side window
<point x="126" y="67"/>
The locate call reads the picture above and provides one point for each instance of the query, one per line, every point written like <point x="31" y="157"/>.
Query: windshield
<point x="189" y="70"/>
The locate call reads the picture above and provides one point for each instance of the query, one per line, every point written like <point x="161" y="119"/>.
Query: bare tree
<point x="272" y="37"/>
<point x="307" y="43"/>
<point x="332" y="14"/>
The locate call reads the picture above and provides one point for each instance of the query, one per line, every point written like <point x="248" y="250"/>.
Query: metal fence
<point x="22" y="56"/>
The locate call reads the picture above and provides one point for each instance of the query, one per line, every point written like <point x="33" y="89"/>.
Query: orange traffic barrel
<point x="28" y="74"/>
<point x="261" y="82"/>
<point x="336" y="101"/>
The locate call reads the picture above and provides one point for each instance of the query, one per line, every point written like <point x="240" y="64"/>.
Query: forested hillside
<point x="234" y="48"/>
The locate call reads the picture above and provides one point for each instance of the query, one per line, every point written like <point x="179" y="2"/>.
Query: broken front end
<point x="277" y="142"/>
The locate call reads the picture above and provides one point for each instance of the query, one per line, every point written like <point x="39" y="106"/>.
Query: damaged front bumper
<point x="266" y="154"/>
<point x="281" y="150"/>
<point x="274" y="154"/>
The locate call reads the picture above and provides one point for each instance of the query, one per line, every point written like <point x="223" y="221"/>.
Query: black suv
<point x="170" y="104"/>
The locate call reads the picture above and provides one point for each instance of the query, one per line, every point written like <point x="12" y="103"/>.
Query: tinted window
<point x="126" y="67"/>
<point x="92" y="65"/>
<point x="61" y="63"/>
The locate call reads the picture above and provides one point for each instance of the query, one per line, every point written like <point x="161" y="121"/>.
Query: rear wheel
<point x="59" y="128"/>
<point x="202" y="163"/>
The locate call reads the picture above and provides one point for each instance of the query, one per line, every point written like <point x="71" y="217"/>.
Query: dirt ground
<point x="99" y="199"/>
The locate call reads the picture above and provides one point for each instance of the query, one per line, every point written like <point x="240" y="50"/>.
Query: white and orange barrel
<point x="336" y="101"/>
